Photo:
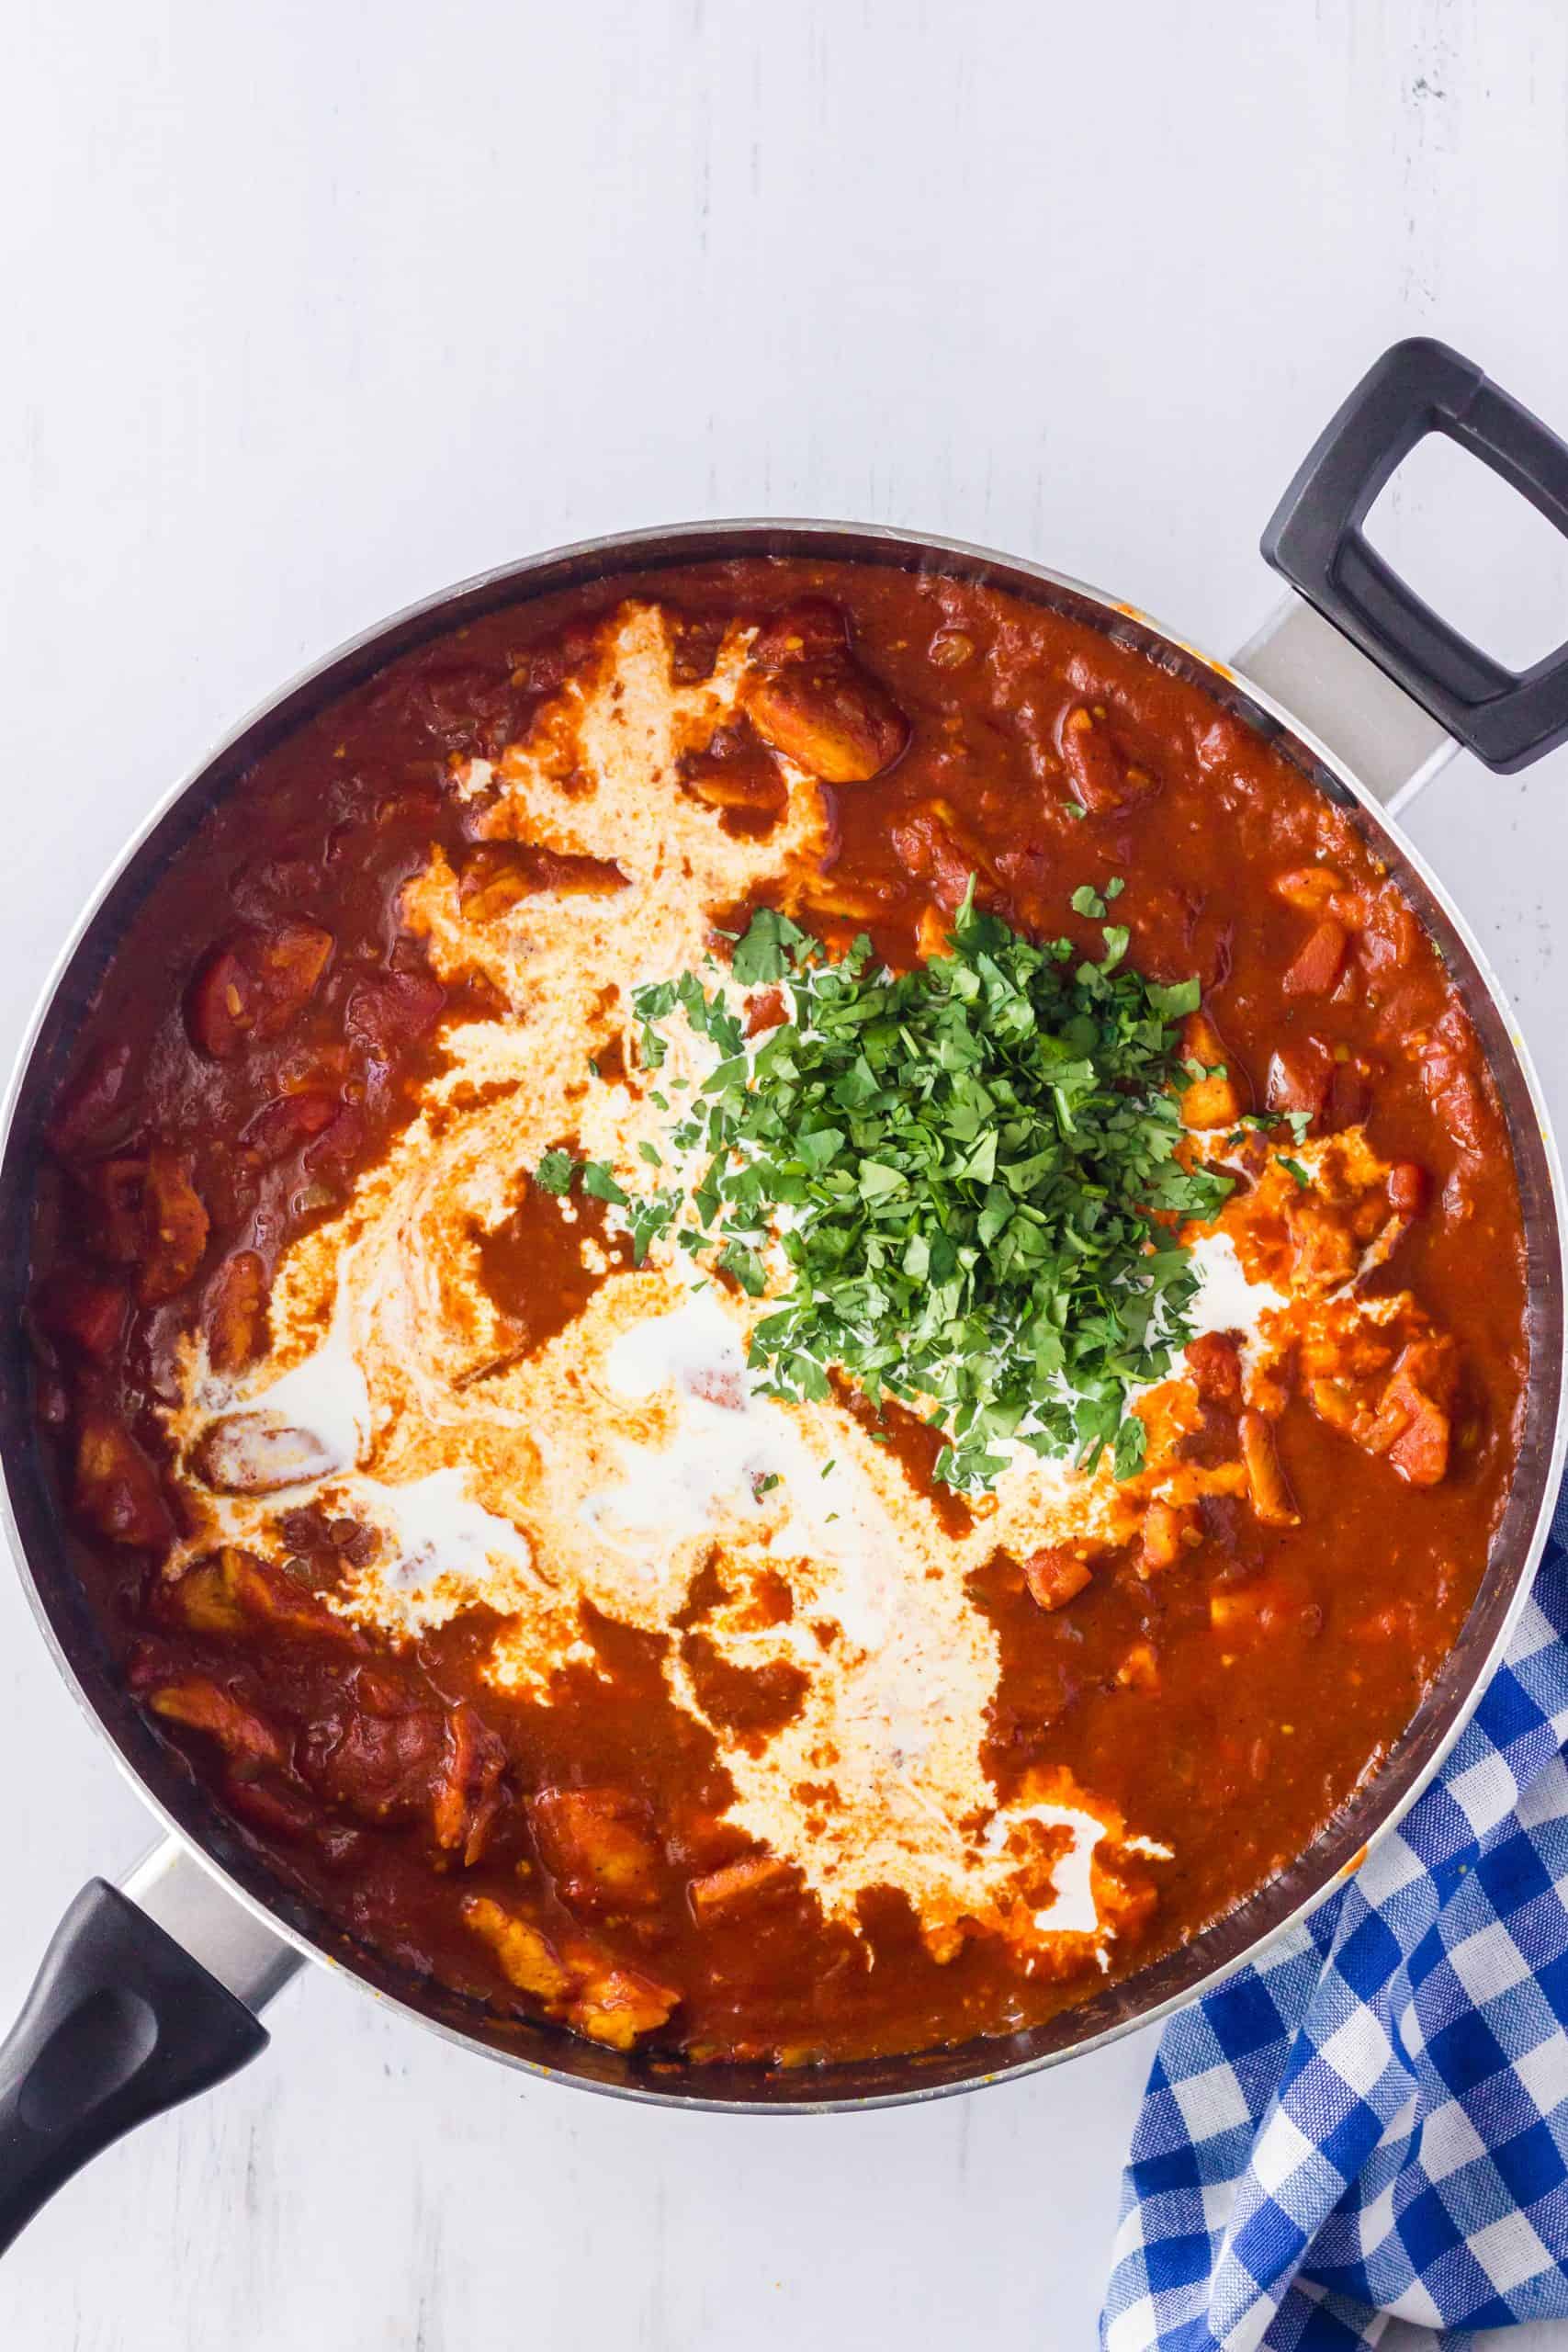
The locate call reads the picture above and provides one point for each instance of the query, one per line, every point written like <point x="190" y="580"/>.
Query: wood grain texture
<point x="321" y="305"/>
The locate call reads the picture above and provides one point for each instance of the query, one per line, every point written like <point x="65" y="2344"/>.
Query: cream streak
<point x="629" y="1452"/>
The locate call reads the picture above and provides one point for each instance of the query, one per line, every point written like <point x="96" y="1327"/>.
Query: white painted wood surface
<point x="316" y="306"/>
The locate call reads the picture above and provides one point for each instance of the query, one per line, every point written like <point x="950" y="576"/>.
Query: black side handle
<point x="120" y="2024"/>
<point x="1506" y="717"/>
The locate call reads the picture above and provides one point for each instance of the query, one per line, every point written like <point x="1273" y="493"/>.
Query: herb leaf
<point x="969" y="1170"/>
<point x="767" y="949"/>
<point x="597" y="1179"/>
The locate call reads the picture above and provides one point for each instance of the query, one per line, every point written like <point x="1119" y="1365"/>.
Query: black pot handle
<point x="1314" y="537"/>
<point x="120" y="2024"/>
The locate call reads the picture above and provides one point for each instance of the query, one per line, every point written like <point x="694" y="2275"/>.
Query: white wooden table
<point x="322" y="305"/>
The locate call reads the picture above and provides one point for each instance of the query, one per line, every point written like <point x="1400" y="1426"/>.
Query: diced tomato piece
<point x="254" y="984"/>
<point x="176" y="1226"/>
<point x="202" y="1706"/>
<point x="1055" y="1576"/>
<point x="1413" y="1425"/>
<point x="1421" y="1454"/>
<point x="834" y="721"/>
<point x="1300" y="1075"/>
<point x="1318" y="964"/>
<point x="599" y="1844"/>
<point x="1323" y="1248"/>
<point x="1096" y="771"/>
<point x="1452" y="1082"/>
<point x="236" y="1327"/>
<point x="927" y="851"/>
<point x="808" y="697"/>
<point x="221" y="1005"/>
<point x="115" y="1487"/>
<point x="392" y="1011"/>
<point x="1214" y="1358"/>
<point x="379" y="1766"/>
<point x="288" y="960"/>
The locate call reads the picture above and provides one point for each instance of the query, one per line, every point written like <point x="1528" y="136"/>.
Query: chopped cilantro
<point x="972" y="1157"/>
<point x="592" y="1066"/>
<point x="1131" y="1438"/>
<point x="1299" y="1123"/>
<point x="653" y="1004"/>
<point x="746" y="1266"/>
<point x="1088" y="902"/>
<point x="1116" y="886"/>
<point x="647" y="1219"/>
<point x="768" y="949"/>
<point x="555" y="1171"/>
<point x="1174" y="1004"/>
<point x="1297" y="1170"/>
<point x="597" y="1179"/>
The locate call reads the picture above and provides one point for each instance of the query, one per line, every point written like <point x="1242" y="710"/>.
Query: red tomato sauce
<point x="264" y="1034"/>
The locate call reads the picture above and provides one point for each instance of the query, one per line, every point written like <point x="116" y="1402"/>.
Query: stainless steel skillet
<point x="151" y="1992"/>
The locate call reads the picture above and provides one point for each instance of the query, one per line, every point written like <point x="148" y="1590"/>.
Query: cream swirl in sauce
<point x="628" y="1452"/>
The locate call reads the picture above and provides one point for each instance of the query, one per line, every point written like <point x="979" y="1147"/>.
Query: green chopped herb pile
<point x="960" y="1165"/>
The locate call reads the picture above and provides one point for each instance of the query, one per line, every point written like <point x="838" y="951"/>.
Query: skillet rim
<point x="1381" y="1799"/>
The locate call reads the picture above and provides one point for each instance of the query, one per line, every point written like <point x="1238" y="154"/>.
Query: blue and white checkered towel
<point x="1374" y="2120"/>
